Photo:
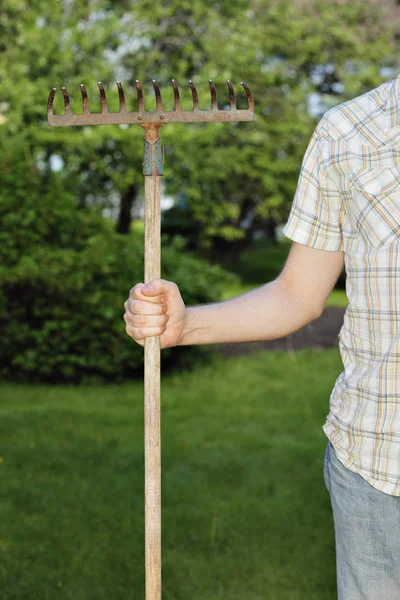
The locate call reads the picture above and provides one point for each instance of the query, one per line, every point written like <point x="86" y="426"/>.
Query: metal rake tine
<point x="214" y="101"/>
<point x="67" y="102"/>
<point x="177" y="99"/>
<point x="195" y="95"/>
<point x="232" y="98"/>
<point x="159" y="106"/>
<point x="249" y="95"/>
<point x="140" y="96"/>
<point x="103" y="98"/>
<point x="85" y="100"/>
<point x="153" y="117"/>
<point x="122" y="103"/>
<point x="50" y="101"/>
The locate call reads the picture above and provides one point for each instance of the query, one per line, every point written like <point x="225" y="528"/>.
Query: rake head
<point x="158" y="117"/>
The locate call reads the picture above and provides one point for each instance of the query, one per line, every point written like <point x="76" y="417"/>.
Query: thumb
<point x="156" y="287"/>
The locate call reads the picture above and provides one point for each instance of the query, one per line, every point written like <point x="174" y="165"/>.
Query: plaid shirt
<point x="348" y="199"/>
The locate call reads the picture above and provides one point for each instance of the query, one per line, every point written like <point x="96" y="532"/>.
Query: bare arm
<point x="296" y="297"/>
<point x="288" y="303"/>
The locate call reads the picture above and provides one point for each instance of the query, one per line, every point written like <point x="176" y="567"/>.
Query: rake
<point x="152" y="171"/>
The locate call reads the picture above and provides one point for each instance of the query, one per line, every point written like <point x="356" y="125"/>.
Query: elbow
<point x="310" y="313"/>
<point x="306" y="307"/>
<point x="312" y="310"/>
<point x="317" y="313"/>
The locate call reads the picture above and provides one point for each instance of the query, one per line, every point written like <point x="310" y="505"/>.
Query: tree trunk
<point x="125" y="208"/>
<point x="270" y="228"/>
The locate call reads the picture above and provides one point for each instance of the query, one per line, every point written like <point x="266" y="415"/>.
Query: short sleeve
<point x="316" y="212"/>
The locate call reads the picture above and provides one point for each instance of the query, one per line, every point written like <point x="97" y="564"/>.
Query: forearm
<point x="266" y="313"/>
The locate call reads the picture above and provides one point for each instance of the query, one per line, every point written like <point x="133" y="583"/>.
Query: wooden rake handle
<point x="152" y="170"/>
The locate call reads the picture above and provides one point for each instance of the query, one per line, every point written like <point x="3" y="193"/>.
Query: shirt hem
<point x="303" y="237"/>
<point x="391" y="489"/>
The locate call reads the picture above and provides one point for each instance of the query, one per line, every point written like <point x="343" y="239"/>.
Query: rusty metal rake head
<point x="158" y="117"/>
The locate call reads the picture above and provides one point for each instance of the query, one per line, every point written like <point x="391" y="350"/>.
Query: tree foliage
<point x="238" y="179"/>
<point x="65" y="269"/>
<point x="235" y="177"/>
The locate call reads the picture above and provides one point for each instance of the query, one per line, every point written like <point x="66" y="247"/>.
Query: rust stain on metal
<point x="159" y="116"/>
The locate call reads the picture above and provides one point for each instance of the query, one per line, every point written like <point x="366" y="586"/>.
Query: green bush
<point x="264" y="260"/>
<point x="261" y="262"/>
<point x="64" y="276"/>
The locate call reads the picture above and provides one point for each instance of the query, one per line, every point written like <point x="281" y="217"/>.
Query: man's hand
<point x="155" y="309"/>
<point x="286" y="304"/>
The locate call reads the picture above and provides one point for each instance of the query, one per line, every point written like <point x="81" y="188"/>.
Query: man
<point x="346" y="213"/>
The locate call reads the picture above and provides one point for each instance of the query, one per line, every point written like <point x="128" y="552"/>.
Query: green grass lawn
<point x="337" y="298"/>
<point x="246" y="515"/>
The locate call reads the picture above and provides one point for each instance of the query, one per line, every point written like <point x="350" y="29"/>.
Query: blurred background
<point x="245" y="511"/>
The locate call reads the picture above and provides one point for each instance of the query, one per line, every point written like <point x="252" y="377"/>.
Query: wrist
<point x="189" y="328"/>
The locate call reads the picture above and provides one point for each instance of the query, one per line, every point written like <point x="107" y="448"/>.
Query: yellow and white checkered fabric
<point x="348" y="199"/>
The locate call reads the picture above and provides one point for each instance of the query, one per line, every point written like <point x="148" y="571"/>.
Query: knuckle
<point x="132" y="306"/>
<point x="137" y="307"/>
<point x="134" y="333"/>
<point x="173" y="287"/>
<point x="140" y="320"/>
<point x="135" y="291"/>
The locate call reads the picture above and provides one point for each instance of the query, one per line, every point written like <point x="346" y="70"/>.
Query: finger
<point x="135" y="290"/>
<point x="158" y="287"/>
<point x="136" y="293"/>
<point x="147" y="321"/>
<point x="140" y="333"/>
<point x="144" y="307"/>
<point x="133" y="334"/>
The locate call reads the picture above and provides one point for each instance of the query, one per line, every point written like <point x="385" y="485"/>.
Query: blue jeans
<point x="367" y="534"/>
